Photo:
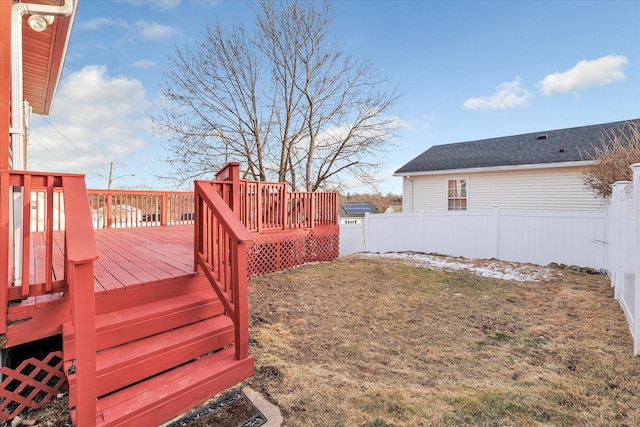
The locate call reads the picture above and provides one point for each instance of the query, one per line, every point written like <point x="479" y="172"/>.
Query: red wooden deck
<point x="113" y="292"/>
<point x="139" y="256"/>
<point x="129" y="256"/>
<point x="134" y="265"/>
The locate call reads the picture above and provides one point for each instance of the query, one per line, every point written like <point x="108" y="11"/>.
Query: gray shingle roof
<point x="559" y="146"/>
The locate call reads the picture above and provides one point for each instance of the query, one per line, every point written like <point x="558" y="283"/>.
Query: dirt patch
<point x="233" y="410"/>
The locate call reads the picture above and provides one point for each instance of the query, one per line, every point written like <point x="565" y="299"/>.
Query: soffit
<point x="43" y="58"/>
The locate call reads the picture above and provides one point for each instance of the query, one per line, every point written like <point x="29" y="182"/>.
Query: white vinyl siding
<point x="535" y="189"/>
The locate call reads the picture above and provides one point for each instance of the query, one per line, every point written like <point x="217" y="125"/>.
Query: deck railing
<point x="21" y="279"/>
<point x="125" y="209"/>
<point x="20" y="276"/>
<point x="119" y="208"/>
<point x="261" y="206"/>
<point x="269" y="206"/>
<point x="221" y="243"/>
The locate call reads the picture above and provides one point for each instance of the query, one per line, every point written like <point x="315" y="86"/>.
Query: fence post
<point x="495" y="237"/>
<point x="365" y="233"/>
<point x="610" y="257"/>
<point x="636" y="251"/>
<point x="420" y="228"/>
<point x="618" y="232"/>
<point x="617" y="280"/>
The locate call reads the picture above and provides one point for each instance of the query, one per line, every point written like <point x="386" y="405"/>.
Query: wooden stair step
<point x="165" y="396"/>
<point x="133" y="323"/>
<point x="129" y="363"/>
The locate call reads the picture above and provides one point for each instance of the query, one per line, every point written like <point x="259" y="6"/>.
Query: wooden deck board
<point x="128" y="257"/>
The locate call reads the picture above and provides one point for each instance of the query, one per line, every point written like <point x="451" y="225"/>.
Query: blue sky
<point x="466" y="70"/>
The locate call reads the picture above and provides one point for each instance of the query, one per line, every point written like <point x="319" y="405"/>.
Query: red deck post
<point x="242" y="302"/>
<point x="81" y="252"/>
<point x="84" y="315"/>
<point x="235" y="188"/>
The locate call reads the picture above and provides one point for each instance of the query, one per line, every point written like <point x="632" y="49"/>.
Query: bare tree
<point x="619" y="148"/>
<point x="283" y="100"/>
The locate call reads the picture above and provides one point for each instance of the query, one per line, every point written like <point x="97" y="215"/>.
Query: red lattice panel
<point x="279" y="251"/>
<point x="31" y="385"/>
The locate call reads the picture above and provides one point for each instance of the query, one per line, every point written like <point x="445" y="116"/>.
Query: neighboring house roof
<point x="357" y="209"/>
<point x="552" y="146"/>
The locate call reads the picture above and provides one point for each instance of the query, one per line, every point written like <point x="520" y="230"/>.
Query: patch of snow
<point x="483" y="267"/>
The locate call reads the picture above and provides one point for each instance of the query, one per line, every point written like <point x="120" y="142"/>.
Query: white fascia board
<point x="499" y="168"/>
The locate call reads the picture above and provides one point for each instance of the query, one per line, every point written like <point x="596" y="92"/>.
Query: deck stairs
<point x="159" y="354"/>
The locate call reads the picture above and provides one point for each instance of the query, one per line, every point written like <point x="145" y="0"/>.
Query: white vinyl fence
<point x="538" y="237"/>
<point x="624" y="250"/>
<point x="605" y="240"/>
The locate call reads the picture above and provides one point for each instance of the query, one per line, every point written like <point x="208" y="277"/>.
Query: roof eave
<point x="43" y="70"/>
<point x="58" y="61"/>
<point x="498" y="168"/>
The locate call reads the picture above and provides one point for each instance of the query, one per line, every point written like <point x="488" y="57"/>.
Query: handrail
<point x="80" y="253"/>
<point x="221" y="243"/>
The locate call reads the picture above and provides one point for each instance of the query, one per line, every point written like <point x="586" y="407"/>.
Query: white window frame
<point x="461" y="197"/>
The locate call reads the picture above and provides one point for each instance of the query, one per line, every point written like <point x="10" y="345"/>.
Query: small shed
<point x="354" y="212"/>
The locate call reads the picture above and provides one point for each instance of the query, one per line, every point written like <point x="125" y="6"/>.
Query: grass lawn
<point x="377" y="342"/>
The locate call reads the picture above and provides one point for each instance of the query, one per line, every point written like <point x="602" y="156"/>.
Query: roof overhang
<point x="43" y="57"/>
<point x="499" y="168"/>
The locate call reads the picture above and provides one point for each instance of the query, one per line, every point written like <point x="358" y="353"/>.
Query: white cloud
<point x="507" y="95"/>
<point x="601" y="71"/>
<point x="97" y="23"/>
<point x="98" y="119"/>
<point x="155" y="31"/>
<point x="144" y="63"/>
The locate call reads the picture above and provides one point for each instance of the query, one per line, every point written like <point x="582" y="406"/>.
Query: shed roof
<point x="552" y="146"/>
<point x="357" y="209"/>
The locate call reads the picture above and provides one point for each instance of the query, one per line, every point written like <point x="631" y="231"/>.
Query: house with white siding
<point x="533" y="171"/>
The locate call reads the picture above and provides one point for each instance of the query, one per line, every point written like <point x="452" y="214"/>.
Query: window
<point x="457" y="194"/>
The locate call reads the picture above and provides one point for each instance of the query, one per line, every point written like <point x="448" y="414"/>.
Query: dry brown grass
<point x="362" y="342"/>
<point x="374" y="343"/>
